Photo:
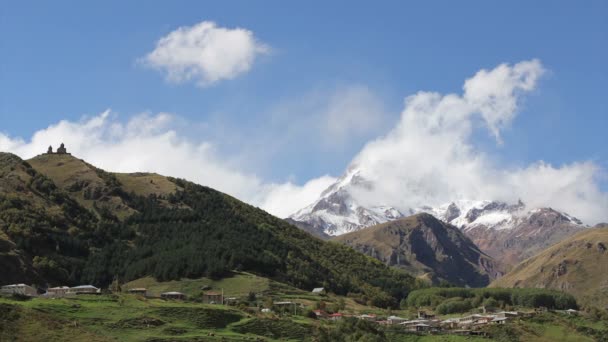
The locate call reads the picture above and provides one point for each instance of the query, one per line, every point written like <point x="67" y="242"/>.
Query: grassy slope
<point x="67" y="172"/>
<point x="576" y="265"/>
<point x="238" y="285"/>
<point x="132" y="318"/>
<point x="28" y="210"/>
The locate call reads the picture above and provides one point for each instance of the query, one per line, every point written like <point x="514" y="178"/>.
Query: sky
<point x="270" y="102"/>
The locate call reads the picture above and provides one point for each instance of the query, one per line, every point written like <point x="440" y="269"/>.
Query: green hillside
<point x="71" y="223"/>
<point x="121" y="317"/>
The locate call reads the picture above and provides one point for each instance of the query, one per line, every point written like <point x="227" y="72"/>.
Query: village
<point x="421" y="322"/>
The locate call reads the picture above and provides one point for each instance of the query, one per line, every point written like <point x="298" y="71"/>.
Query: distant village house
<point x="20" y="289"/>
<point x="319" y="291"/>
<point x="138" y="291"/>
<point x="173" y="295"/>
<point x="84" y="289"/>
<point x="59" y="291"/>
<point x="213" y="297"/>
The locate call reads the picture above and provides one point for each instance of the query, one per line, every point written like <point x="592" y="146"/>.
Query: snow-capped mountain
<point x="336" y="212"/>
<point x="508" y="232"/>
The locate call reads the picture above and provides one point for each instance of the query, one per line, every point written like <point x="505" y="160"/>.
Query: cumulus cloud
<point x="150" y="143"/>
<point x="205" y="53"/>
<point x="429" y="158"/>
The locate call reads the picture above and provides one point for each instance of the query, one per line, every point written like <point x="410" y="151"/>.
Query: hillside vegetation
<point x="71" y="223"/>
<point x="578" y="265"/>
<point x="120" y="317"/>
<point x="452" y="300"/>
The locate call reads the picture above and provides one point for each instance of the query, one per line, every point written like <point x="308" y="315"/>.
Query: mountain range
<point x="507" y="232"/>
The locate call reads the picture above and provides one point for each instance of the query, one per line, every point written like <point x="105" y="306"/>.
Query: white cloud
<point x="205" y="53"/>
<point x="148" y="143"/>
<point x="350" y="112"/>
<point x="285" y="199"/>
<point x="429" y="159"/>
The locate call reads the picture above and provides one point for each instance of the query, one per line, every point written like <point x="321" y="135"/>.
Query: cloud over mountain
<point x="429" y="158"/>
<point x="205" y="53"/>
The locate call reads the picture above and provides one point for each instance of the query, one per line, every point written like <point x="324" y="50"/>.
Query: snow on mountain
<point x="507" y="232"/>
<point x="337" y="211"/>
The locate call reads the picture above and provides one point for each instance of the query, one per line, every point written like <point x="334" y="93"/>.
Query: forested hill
<point x="69" y="222"/>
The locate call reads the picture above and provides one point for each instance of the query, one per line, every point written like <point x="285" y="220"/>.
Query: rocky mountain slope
<point x="65" y="222"/>
<point x="578" y="265"/>
<point x="507" y="232"/>
<point x="425" y="246"/>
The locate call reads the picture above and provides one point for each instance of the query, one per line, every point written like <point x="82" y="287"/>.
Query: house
<point x="319" y="291"/>
<point x="483" y="319"/>
<point x="231" y="300"/>
<point x="395" y="320"/>
<point x="420" y="327"/>
<point x="424" y="315"/>
<point x="84" y="289"/>
<point x="507" y="314"/>
<point x="213" y="297"/>
<point x="450" y="323"/>
<point x="500" y="320"/>
<point x="59" y="291"/>
<point x="336" y="316"/>
<point x="172" y="295"/>
<point x="370" y="317"/>
<point x="20" y="289"/>
<point x="320" y="313"/>
<point x="138" y="291"/>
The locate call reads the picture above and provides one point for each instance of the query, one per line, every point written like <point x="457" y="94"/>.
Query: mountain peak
<point x="424" y="245"/>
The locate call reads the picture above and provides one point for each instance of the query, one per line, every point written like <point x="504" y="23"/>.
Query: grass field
<point x="130" y="318"/>
<point x="238" y="285"/>
<point x="124" y="317"/>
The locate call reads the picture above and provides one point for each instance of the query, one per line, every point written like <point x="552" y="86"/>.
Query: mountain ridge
<point x="425" y="246"/>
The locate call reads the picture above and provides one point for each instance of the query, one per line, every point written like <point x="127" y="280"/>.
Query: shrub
<point x="454" y="305"/>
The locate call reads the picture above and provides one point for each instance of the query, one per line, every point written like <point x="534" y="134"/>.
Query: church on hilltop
<point x="60" y="150"/>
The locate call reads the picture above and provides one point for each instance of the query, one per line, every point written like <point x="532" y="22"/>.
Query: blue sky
<point x="64" y="60"/>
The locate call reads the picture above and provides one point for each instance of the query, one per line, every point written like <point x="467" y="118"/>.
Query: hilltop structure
<point x="60" y="150"/>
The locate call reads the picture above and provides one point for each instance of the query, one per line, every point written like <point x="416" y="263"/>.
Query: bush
<point x="454" y="305"/>
<point x="531" y="298"/>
